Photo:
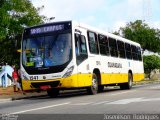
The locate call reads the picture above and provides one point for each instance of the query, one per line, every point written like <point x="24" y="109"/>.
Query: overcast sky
<point x="105" y="14"/>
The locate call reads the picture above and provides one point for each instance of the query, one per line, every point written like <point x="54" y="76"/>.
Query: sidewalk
<point x="8" y="93"/>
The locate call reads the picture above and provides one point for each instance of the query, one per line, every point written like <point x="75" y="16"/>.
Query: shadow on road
<point x="74" y="93"/>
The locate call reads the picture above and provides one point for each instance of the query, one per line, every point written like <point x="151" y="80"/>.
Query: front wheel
<point x="100" y="88"/>
<point x="92" y="90"/>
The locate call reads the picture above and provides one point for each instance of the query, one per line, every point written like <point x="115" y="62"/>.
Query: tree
<point x="140" y="32"/>
<point x="151" y="62"/>
<point x="14" y="16"/>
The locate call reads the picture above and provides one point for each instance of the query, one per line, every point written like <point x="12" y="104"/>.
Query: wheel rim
<point x="130" y="80"/>
<point x="94" y="84"/>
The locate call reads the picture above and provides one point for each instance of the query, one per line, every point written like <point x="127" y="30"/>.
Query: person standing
<point x="9" y="70"/>
<point x="3" y="76"/>
<point x="15" y="78"/>
<point x="16" y="83"/>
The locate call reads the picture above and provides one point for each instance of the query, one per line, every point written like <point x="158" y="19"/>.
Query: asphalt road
<point x="144" y="99"/>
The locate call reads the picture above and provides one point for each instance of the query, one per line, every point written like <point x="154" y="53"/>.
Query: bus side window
<point x="134" y="52"/>
<point x="139" y="54"/>
<point x="83" y="47"/>
<point x="77" y="37"/>
<point x="103" y="44"/>
<point x="121" y="50"/>
<point x="113" y="47"/>
<point x="128" y="51"/>
<point x="93" y="43"/>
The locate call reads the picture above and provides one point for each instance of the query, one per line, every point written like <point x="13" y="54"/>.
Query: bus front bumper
<point x="73" y="81"/>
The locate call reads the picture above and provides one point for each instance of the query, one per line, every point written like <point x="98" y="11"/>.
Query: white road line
<point x="82" y="103"/>
<point x="126" y="101"/>
<point x="122" y="93"/>
<point x="133" y="100"/>
<point x="50" y="106"/>
<point x="100" y="103"/>
<point x="154" y="87"/>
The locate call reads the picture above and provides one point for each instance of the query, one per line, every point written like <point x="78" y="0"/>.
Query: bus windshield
<point x="47" y="51"/>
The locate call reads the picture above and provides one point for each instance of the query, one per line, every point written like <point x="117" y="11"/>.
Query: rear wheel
<point x="53" y="92"/>
<point x="92" y="90"/>
<point x="127" y="85"/>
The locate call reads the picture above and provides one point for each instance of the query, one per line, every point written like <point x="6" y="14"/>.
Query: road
<point x="144" y="99"/>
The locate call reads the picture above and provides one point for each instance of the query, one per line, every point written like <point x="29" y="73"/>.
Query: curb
<point x="146" y="82"/>
<point x="27" y="97"/>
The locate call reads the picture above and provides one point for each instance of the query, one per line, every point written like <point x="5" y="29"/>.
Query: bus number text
<point x="33" y="77"/>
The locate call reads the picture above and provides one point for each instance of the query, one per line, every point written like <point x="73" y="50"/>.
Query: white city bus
<point x="71" y="55"/>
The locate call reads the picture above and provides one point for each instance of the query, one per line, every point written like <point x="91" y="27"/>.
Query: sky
<point x="108" y="15"/>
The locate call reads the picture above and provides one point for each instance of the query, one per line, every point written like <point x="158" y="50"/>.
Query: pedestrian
<point x="9" y="70"/>
<point x="16" y="83"/>
<point x="3" y="76"/>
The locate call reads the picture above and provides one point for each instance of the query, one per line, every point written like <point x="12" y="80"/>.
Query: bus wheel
<point x="53" y="92"/>
<point x="92" y="90"/>
<point x="127" y="85"/>
<point x="100" y="88"/>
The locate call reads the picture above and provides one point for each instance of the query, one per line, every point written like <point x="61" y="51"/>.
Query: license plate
<point x="44" y="87"/>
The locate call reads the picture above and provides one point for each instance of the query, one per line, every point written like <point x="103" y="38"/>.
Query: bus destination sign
<point x="46" y="29"/>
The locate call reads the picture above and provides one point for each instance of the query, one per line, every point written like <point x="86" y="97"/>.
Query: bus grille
<point x="39" y="84"/>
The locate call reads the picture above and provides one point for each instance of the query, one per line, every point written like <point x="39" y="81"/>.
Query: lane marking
<point x="133" y="100"/>
<point x="50" y="106"/>
<point x="100" y="103"/>
<point x="154" y="87"/>
<point x="121" y="93"/>
<point x="82" y="103"/>
<point x="126" y="101"/>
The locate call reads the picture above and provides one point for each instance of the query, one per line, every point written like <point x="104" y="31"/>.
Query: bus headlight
<point x="69" y="72"/>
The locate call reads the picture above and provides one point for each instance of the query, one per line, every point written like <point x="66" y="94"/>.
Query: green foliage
<point x="14" y="16"/>
<point x="140" y="32"/>
<point x="151" y="62"/>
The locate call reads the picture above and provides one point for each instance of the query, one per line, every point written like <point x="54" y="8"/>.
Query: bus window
<point x="134" y="52"/>
<point x="121" y="50"/>
<point x="80" y="48"/>
<point x="139" y="54"/>
<point x="113" y="47"/>
<point x="103" y="44"/>
<point x="33" y="52"/>
<point x="128" y="51"/>
<point x="93" y="44"/>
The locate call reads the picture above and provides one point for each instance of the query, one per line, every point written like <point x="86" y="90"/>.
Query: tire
<point x="53" y="92"/>
<point x="127" y="85"/>
<point x="100" y="88"/>
<point x="93" y="89"/>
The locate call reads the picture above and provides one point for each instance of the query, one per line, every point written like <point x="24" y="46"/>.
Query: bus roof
<point x="90" y="28"/>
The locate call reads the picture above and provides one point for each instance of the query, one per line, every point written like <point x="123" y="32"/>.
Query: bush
<point x="151" y="62"/>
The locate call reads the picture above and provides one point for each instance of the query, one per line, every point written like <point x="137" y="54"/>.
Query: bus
<point x="72" y="55"/>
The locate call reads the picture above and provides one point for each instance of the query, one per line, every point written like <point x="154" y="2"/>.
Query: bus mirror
<point x="142" y="51"/>
<point x="78" y="31"/>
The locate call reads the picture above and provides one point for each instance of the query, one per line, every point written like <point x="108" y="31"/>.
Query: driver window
<point x="80" y="48"/>
<point x="80" y="44"/>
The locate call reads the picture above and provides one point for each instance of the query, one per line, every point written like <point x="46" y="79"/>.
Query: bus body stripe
<point x="84" y="80"/>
